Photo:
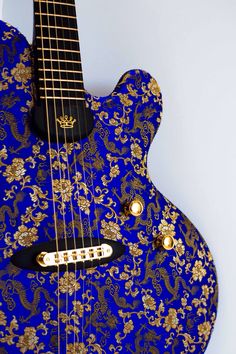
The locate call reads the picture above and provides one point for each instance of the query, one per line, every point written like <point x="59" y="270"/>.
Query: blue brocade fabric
<point x="148" y="301"/>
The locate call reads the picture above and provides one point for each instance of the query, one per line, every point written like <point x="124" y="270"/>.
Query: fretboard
<point x="58" y="60"/>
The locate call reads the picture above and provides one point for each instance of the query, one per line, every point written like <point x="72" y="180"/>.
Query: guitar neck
<point x="57" y="49"/>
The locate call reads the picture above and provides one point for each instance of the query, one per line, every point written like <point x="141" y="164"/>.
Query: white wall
<point x="189" y="46"/>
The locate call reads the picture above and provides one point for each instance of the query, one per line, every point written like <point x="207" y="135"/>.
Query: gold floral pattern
<point x="64" y="188"/>
<point x="166" y="229"/>
<point x="21" y="73"/>
<point x="68" y="283"/>
<point x="204" y="330"/>
<point x="148" y="302"/>
<point x="149" y="298"/>
<point x="110" y="230"/>
<point x="136" y="151"/>
<point x="171" y="321"/>
<point x="26" y="236"/>
<point x="154" y="87"/>
<point x="15" y="171"/>
<point x="76" y="348"/>
<point x="198" y="271"/>
<point x="28" y="341"/>
<point x="2" y="319"/>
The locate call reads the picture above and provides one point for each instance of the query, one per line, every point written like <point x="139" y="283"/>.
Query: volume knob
<point x="135" y="208"/>
<point x="168" y="243"/>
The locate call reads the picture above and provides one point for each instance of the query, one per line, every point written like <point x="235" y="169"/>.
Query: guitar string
<point x="89" y="224"/>
<point x="95" y="211"/>
<point x="57" y="140"/>
<point x="60" y="170"/>
<point x="51" y="172"/>
<point x="90" y="228"/>
<point x="83" y="169"/>
<point x="76" y="176"/>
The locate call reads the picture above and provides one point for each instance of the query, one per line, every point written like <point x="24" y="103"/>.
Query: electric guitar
<point x="94" y="259"/>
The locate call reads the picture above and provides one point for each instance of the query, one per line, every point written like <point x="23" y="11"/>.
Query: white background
<point x="190" y="47"/>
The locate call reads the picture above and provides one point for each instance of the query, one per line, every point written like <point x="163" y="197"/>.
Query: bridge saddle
<point x="48" y="259"/>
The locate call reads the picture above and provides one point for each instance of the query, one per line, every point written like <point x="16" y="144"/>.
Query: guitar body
<point x="149" y="300"/>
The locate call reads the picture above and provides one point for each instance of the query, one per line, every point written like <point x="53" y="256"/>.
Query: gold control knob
<point x="135" y="208"/>
<point x="168" y="243"/>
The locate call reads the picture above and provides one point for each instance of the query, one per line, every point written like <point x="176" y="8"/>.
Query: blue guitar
<point x="94" y="259"/>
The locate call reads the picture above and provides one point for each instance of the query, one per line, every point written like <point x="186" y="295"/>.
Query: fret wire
<point x="54" y="2"/>
<point x="45" y="14"/>
<point x="62" y="80"/>
<point x="62" y="26"/>
<point x="61" y="50"/>
<point x="57" y="27"/>
<point x="65" y="71"/>
<point x="61" y="89"/>
<point x="58" y="39"/>
<point x="63" y="98"/>
<point x="60" y="60"/>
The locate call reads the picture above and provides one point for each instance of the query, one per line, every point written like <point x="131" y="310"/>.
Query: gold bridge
<point x="48" y="259"/>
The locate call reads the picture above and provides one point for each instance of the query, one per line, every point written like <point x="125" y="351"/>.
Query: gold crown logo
<point x="66" y="122"/>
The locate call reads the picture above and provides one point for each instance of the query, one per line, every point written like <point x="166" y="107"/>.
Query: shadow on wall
<point x="20" y="15"/>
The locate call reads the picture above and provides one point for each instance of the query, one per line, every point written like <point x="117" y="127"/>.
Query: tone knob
<point x="135" y="207"/>
<point x="168" y="243"/>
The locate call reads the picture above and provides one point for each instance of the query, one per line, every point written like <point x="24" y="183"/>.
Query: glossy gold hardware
<point x="41" y="259"/>
<point x="135" y="207"/>
<point x="50" y="259"/>
<point x="168" y="243"/>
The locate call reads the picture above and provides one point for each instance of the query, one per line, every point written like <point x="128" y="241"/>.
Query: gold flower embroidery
<point x="134" y="250"/>
<point x="3" y="153"/>
<point x="64" y="188"/>
<point x="25" y="237"/>
<point x="84" y="204"/>
<point x="166" y="229"/>
<point x="78" y="308"/>
<point x="198" y="271"/>
<point x="21" y="73"/>
<point x="3" y="86"/>
<point x="28" y="341"/>
<point x="171" y="321"/>
<point x="46" y="315"/>
<point x="180" y="248"/>
<point x="15" y="171"/>
<point x="136" y="151"/>
<point x="68" y="283"/>
<point x="129" y="326"/>
<point x="205" y="291"/>
<point x="125" y="100"/>
<point x="115" y="171"/>
<point x="75" y="348"/>
<point x="118" y="130"/>
<point x="95" y="105"/>
<point x="111" y="230"/>
<point x="154" y="87"/>
<point x="204" y="330"/>
<point x="3" y="321"/>
<point x="148" y="302"/>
